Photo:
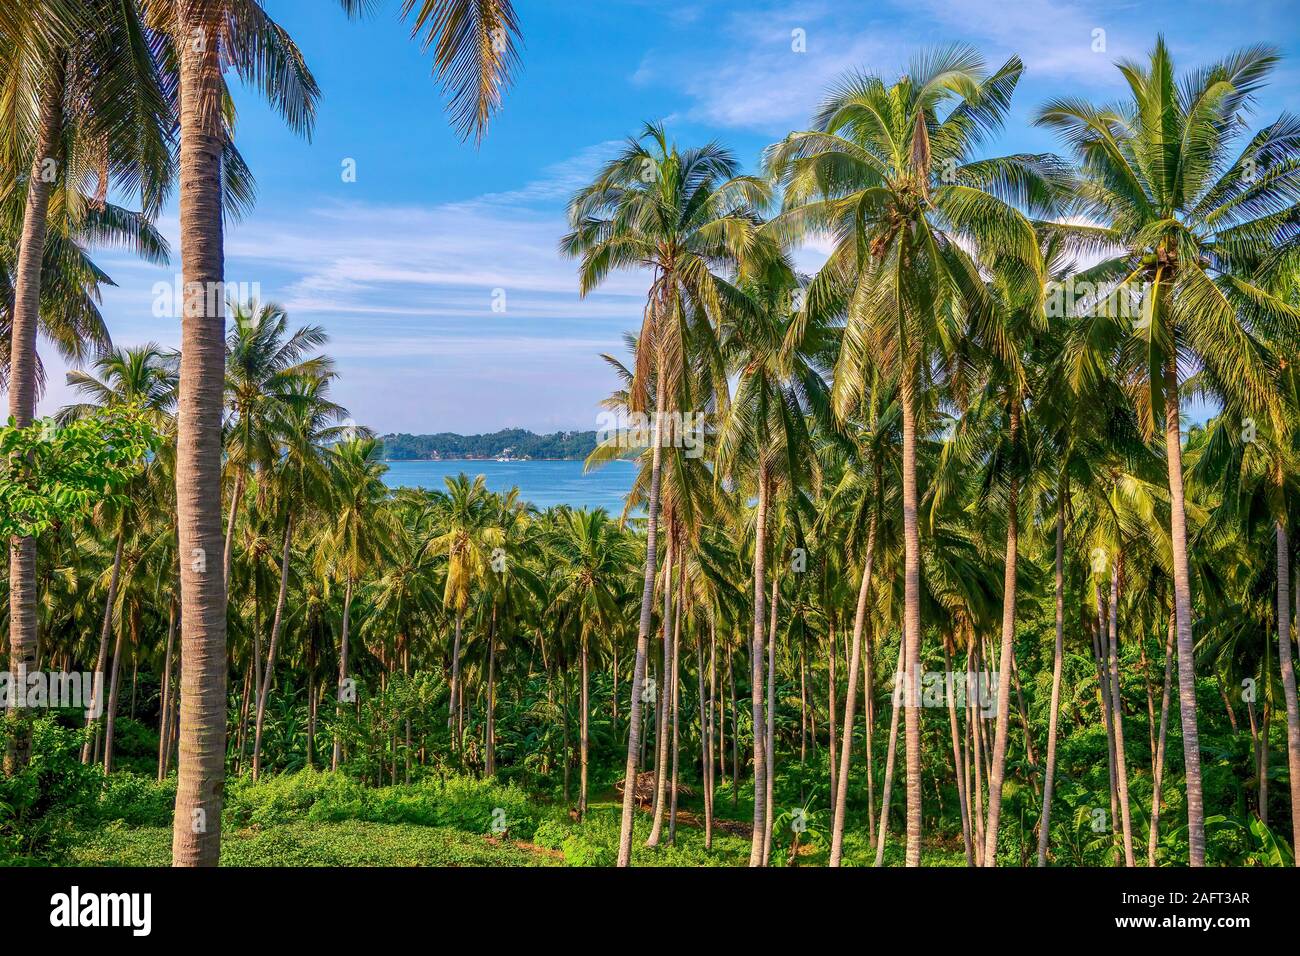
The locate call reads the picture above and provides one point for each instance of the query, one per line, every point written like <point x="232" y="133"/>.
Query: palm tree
<point x="357" y="537"/>
<point x="474" y="52"/>
<point x="774" y="352"/>
<point x="263" y="367"/>
<point x="141" y="377"/>
<point x="309" y="423"/>
<point x="897" y="187"/>
<point x="1183" y="208"/>
<point x="99" y="116"/>
<point x="472" y="539"/>
<point x="677" y="214"/>
<point x="593" y="556"/>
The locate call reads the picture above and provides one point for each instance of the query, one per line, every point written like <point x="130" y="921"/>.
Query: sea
<point x="543" y="483"/>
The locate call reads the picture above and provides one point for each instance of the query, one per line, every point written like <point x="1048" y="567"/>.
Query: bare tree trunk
<point x="911" y="622"/>
<point x="1158" y="769"/>
<point x="1002" y="732"/>
<point x="24" y="317"/>
<point x="643" y="632"/>
<point x="196" y="833"/>
<point x="1058" y="655"/>
<point x="850" y="699"/>
<point x="1183" y="605"/>
<point x="490" y="728"/>
<point x="264" y="687"/>
<point x="1286" y="663"/>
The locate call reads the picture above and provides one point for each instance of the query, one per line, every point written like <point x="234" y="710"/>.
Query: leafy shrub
<point x="137" y="800"/>
<point x="42" y="805"/>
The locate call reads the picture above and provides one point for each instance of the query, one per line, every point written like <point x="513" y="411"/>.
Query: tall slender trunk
<point x="196" y="832"/>
<point x="165" y="702"/>
<point x="1117" y="708"/>
<point x="490" y="729"/>
<point x="855" y="661"/>
<point x="706" y="740"/>
<point x="1158" y="769"/>
<point x="997" y="768"/>
<point x="664" y="697"/>
<point x="886" y="797"/>
<point x="264" y="686"/>
<point x="454" y="699"/>
<point x="1183" y="606"/>
<point x="1286" y="663"/>
<point x="959" y="769"/>
<point x="770" y="732"/>
<point x="582" y="735"/>
<point x="343" y="673"/>
<point x="110" y="720"/>
<point x="911" y="621"/>
<point x="675" y="698"/>
<point x="1058" y="655"/>
<point x="642" y="638"/>
<point x="236" y="496"/>
<point x="22" y="401"/>
<point x="105" y="632"/>
<point x="756" y="674"/>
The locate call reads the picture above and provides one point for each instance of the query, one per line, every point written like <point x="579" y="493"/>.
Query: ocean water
<point x="544" y="483"/>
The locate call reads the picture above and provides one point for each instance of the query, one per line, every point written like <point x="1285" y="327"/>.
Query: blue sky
<point x="401" y="265"/>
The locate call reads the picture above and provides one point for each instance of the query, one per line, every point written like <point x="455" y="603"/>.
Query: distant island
<point x="514" y="444"/>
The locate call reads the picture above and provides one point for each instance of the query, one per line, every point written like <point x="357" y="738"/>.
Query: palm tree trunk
<point x="1058" y="655"/>
<point x="343" y="672"/>
<point x="1286" y="664"/>
<point x="236" y="496"/>
<point x="850" y="699"/>
<point x="770" y="734"/>
<point x="196" y="832"/>
<point x="959" y="769"/>
<point x="642" y="639"/>
<point x="911" y="622"/>
<point x="1158" y="769"/>
<point x="886" y="797"/>
<point x="1183" y="608"/>
<point x="111" y="717"/>
<point x="756" y="674"/>
<point x="706" y="744"/>
<point x="582" y="735"/>
<point x="105" y="631"/>
<point x="675" y="692"/>
<point x="664" y="698"/>
<point x="165" y="704"/>
<point x="22" y="403"/>
<point x="997" y="768"/>
<point x="490" y="730"/>
<point x="264" y="688"/>
<point x="1117" y="708"/>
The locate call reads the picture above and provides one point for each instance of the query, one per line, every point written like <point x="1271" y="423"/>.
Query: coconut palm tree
<point x="678" y="214"/>
<point x="1183" y="206"/>
<point x="593" y="555"/>
<point x="895" y="183"/>
<point x="88" y="110"/>
<point x="474" y="50"/>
